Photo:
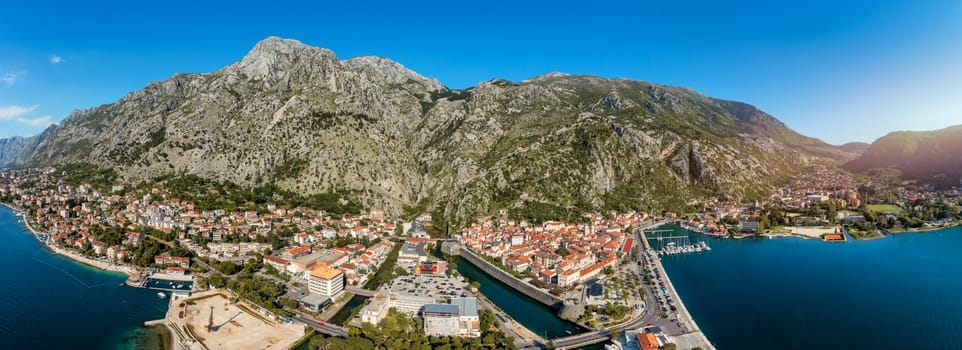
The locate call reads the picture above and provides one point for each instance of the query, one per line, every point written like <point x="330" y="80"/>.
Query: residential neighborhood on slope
<point x="309" y="260"/>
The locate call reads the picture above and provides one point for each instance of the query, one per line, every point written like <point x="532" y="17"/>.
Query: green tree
<point x="217" y="281"/>
<point x="763" y="223"/>
<point x="562" y="251"/>
<point x="288" y="303"/>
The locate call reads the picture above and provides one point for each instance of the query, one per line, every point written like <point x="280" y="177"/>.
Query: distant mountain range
<point x="297" y="116"/>
<point x="931" y="156"/>
<point x="855" y="147"/>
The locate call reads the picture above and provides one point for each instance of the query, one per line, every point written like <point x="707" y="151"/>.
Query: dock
<point x="159" y="322"/>
<point x="672" y="249"/>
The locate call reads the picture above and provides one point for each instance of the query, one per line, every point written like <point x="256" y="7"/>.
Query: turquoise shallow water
<point x="899" y="292"/>
<point x="50" y="302"/>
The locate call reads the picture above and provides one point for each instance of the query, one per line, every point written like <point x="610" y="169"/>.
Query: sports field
<point x="884" y="208"/>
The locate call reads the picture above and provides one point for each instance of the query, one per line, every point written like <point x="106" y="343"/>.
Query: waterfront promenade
<point x="100" y="264"/>
<point x="694" y="337"/>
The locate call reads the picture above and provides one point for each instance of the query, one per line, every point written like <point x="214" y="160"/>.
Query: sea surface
<point x="902" y="291"/>
<point x="50" y="302"/>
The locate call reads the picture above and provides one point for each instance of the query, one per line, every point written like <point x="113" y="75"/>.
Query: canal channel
<point x="535" y="316"/>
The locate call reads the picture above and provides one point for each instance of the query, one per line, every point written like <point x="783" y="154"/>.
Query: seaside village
<point x="77" y="221"/>
<point x="320" y="259"/>
<point x="825" y="205"/>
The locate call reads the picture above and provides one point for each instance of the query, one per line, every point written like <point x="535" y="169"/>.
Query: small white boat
<point x="161" y="295"/>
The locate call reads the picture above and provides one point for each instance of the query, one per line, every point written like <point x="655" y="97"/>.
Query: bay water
<point x="48" y="301"/>
<point x="902" y="291"/>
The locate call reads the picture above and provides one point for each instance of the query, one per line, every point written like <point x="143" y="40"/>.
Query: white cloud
<point x="54" y="59"/>
<point x="9" y="78"/>
<point x="37" y="122"/>
<point x="11" y="112"/>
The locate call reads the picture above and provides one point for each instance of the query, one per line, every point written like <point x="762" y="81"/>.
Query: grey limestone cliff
<point x="298" y="116"/>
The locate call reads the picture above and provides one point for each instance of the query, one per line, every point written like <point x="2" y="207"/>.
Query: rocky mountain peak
<point x="276" y="45"/>
<point x="390" y="72"/>
<point x="546" y="76"/>
<point x="274" y="55"/>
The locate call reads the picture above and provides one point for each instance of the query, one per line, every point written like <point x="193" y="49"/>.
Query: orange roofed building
<point x="326" y="281"/>
<point x="647" y="341"/>
<point x="832" y="237"/>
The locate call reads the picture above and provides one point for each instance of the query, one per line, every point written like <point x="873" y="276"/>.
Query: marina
<point x="170" y="286"/>
<point x="671" y="248"/>
<point x="666" y="242"/>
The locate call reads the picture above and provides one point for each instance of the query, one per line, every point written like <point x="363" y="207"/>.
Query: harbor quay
<point x="693" y="337"/>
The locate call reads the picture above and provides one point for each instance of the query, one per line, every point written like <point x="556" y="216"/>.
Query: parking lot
<point x="438" y="287"/>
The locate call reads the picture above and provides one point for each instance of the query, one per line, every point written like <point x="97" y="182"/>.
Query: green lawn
<point x="861" y="235"/>
<point x="883" y="208"/>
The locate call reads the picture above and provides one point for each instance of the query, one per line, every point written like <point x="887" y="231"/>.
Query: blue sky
<point x="840" y="71"/>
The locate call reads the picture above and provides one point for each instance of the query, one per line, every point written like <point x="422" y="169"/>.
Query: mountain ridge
<point x="296" y="116"/>
<point x="855" y="147"/>
<point x="934" y="156"/>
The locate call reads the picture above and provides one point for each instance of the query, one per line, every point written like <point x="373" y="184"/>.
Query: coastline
<point x="130" y="271"/>
<point x="809" y="235"/>
<point x="122" y="334"/>
<point x="922" y="230"/>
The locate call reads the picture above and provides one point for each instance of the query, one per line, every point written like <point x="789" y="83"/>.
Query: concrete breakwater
<point x="504" y="277"/>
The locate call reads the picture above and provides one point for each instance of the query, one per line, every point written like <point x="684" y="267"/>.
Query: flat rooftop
<point x="436" y="287"/>
<point x="441" y="309"/>
<point x="468" y="306"/>
<point x="325" y="272"/>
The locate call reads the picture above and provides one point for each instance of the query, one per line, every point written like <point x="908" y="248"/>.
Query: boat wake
<point x="75" y="278"/>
